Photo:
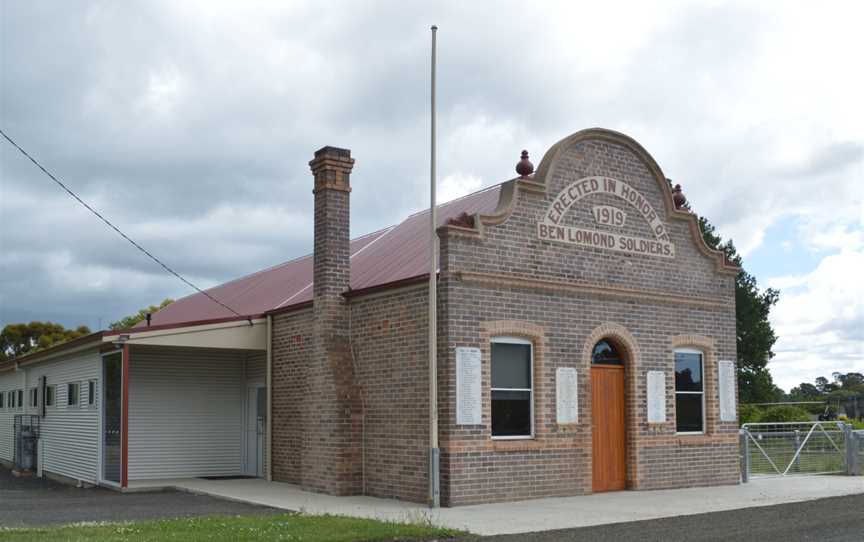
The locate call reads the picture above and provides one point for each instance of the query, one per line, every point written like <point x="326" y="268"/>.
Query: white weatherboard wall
<point x="9" y="381"/>
<point x="69" y="434"/>
<point x="186" y="412"/>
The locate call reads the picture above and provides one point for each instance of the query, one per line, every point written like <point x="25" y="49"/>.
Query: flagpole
<point x="434" y="457"/>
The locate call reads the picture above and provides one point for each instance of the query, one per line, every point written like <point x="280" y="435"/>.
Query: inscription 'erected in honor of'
<point x="549" y="228"/>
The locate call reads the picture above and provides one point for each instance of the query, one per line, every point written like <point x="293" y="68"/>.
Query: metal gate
<point x="26" y="429"/>
<point x="797" y="449"/>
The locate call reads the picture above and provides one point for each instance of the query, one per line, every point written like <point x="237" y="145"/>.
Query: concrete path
<point x="539" y="514"/>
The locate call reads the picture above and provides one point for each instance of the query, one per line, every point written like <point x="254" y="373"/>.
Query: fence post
<point x="850" y="447"/>
<point x="795" y="451"/>
<point x="744" y="446"/>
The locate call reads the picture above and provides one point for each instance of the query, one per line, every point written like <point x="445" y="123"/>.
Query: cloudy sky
<point x="190" y="124"/>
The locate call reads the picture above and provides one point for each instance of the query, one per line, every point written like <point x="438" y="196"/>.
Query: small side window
<point x="2" y="400"/>
<point x="73" y="393"/>
<point x="91" y="393"/>
<point x="50" y="393"/>
<point x="20" y="402"/>
<point x="34" y="397"/>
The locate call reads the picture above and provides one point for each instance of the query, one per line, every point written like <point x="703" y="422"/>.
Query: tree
<point x="755" y="336"/>
<point x="849" y="381"/>
<point x="140" y="316"/>
<point x="824" y="385"/>
<point x="19" y="339"/>
<point x="804" y="392"/>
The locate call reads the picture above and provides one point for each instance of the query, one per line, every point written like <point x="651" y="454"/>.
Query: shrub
<point x="773" y="414"/>
<point x="780" y="413"/>
<point x="748" y="414"/>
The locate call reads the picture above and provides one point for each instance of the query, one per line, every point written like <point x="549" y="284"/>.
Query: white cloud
<point x="457" y="185"/>
<point x="819" y="320"/>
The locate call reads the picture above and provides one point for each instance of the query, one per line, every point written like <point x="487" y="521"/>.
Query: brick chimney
<point x="332" y="268"/>
<point x="331" y="452"/>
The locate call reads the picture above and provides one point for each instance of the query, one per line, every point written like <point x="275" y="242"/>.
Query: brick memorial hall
<point x="586" y="343"/>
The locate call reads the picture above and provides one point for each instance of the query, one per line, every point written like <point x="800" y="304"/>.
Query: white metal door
<point x="256" y="408"/>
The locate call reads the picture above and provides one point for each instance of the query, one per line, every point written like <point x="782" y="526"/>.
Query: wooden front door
<point x="607" y="414"/>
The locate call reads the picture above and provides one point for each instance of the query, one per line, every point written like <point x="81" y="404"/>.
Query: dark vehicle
<point x="828" y="415"/>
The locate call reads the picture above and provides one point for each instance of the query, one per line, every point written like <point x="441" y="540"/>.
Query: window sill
<point x="518" y="445"/>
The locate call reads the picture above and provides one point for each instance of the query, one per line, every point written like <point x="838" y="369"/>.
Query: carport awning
<point x="235" y="334"/>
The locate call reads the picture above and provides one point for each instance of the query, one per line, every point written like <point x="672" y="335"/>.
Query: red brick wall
<point x="346" y="423"/>
<point x="505" y="281"/>
<point x="390" y="411"/>
<point x="292" y="353"/>
<point x="390" y="344"/>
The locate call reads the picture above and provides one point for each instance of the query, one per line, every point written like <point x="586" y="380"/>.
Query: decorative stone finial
<point x="463" y="220"/>
<point x="678" y="197"/>
<point x="524" y="167"/>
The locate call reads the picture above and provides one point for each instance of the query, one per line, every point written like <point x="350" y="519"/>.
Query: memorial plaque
<point x="566" y="395"/>
<point x="726" y="380"/>
<point x="469" y="403"/>
<point x="656" y="397"/>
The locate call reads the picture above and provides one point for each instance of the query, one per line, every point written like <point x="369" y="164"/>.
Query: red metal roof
<point x="390" y="255"/>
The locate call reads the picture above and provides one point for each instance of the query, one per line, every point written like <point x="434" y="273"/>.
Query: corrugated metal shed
<point x="390" y="255"/>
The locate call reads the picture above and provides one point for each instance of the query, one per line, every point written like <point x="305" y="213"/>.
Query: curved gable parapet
<point x="539" y="183"/>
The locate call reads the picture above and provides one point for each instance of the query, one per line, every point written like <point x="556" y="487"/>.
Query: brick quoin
<point x="350" y="399"/>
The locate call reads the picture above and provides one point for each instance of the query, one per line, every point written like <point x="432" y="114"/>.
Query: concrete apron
<point x="537" y="514"/>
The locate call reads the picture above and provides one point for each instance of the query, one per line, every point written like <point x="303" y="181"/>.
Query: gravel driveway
<point x="35" y="502"/>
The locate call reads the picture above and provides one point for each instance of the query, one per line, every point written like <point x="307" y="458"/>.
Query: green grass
<point x="293" y="527"/>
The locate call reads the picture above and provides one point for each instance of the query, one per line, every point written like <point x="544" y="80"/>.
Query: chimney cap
<point x="336" y="152"/>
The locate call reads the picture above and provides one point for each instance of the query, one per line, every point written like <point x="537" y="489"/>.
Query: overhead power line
<point x="115" y="228"/>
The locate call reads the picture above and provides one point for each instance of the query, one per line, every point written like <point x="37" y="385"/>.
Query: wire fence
<point x="798" y="448"/>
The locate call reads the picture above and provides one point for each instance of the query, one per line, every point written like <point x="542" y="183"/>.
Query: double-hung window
<point x="34" y="397"/>
<point x="91" y="393"/>
<point x="20" y="402"/>
<point x="73" y="393"/>
<point x="50" y="393"/>
<point x="2" y="399"/>
<point x="512" y="388"/>
<point x="689" y="392"/>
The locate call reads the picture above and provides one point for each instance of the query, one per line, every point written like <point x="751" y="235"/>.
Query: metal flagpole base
<point x="435" y="470"/>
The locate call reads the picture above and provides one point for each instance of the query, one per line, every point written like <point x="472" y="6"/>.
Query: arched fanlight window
<point x="605" y="353"/>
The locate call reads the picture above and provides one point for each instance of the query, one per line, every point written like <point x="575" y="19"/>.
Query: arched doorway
<point x="609" y="463"/>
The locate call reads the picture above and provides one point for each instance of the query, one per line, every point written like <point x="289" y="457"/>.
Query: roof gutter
<point x="418" y="279"/>
<point x="75" y="345"/>
<point x="191" y="323"/>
